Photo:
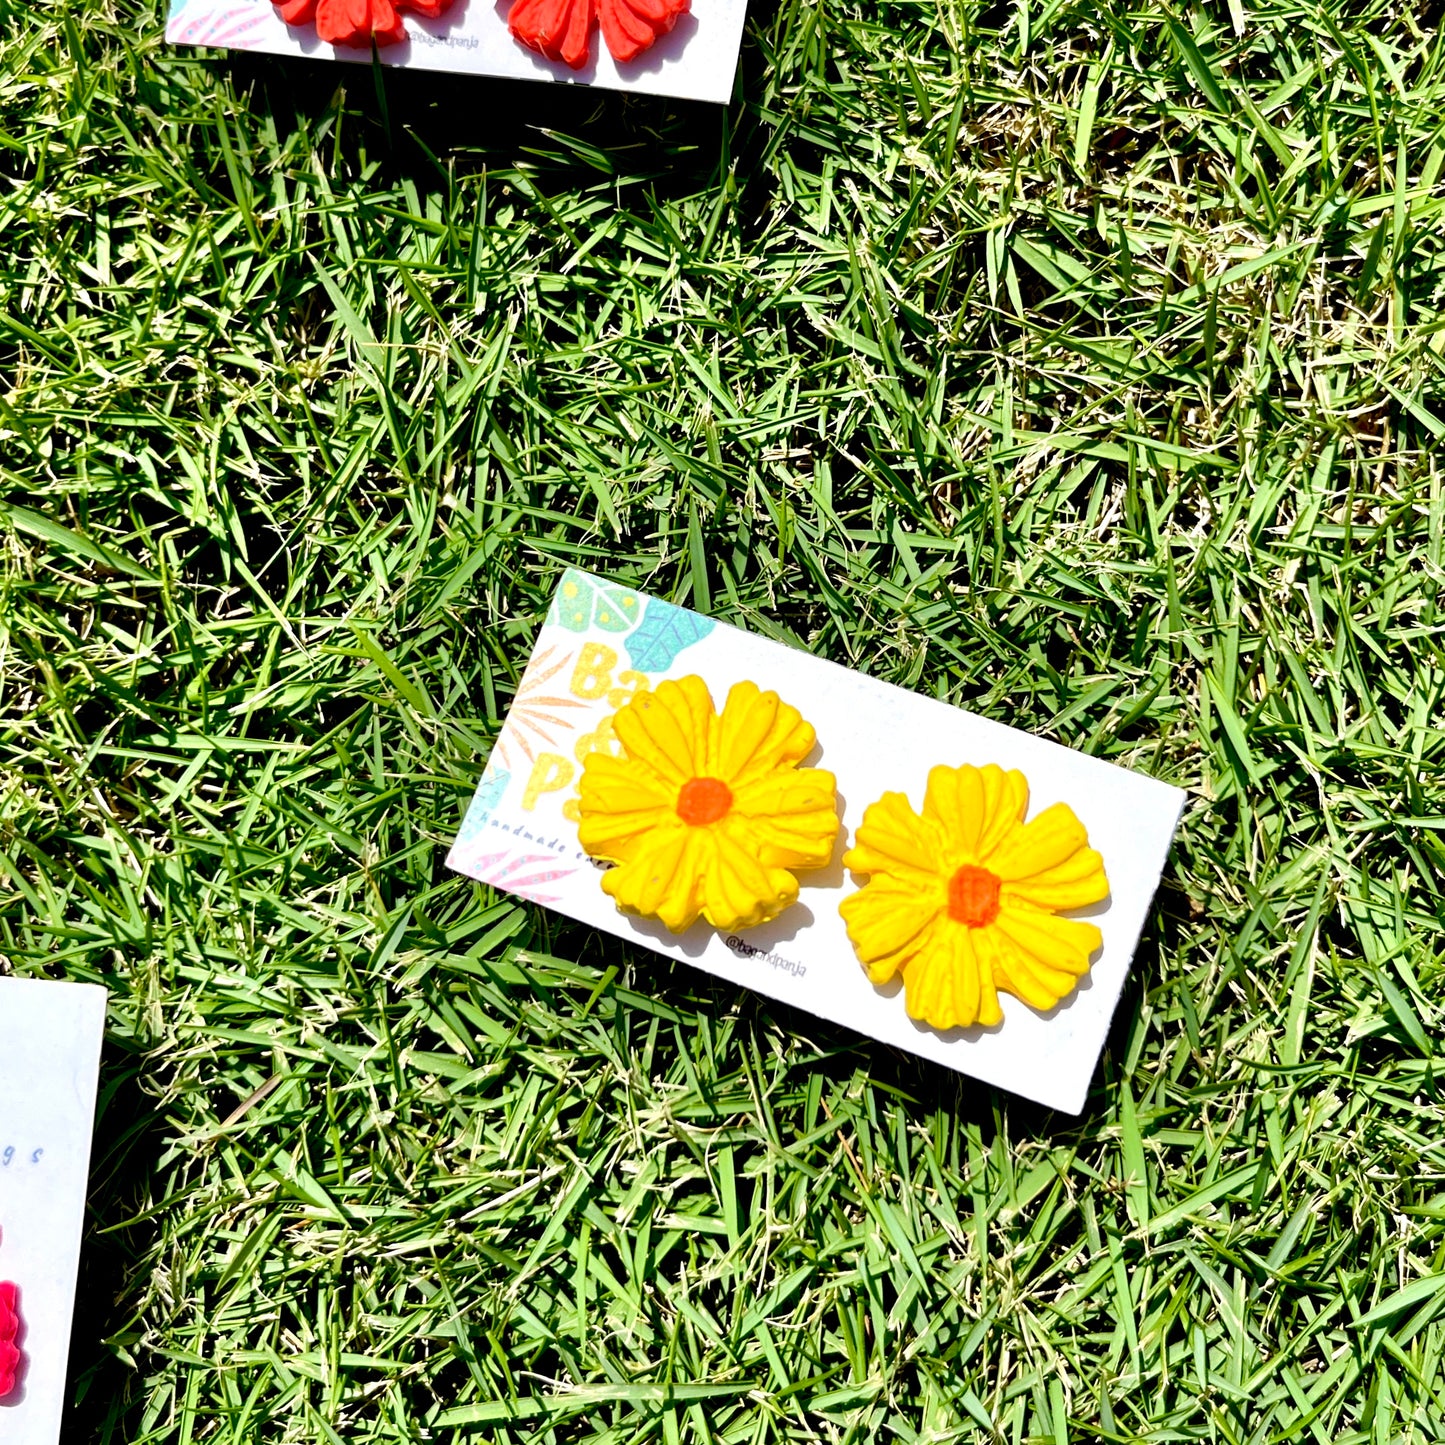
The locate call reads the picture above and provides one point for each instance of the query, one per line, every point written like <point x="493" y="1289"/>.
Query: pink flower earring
<point x="9" y="1328"/>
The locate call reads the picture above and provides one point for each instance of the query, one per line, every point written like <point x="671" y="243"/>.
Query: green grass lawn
<point x="1080" y="363"/>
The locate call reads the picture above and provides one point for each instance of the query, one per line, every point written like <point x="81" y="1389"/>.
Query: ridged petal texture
<point x="559" y="29"/>
<point x="9" y="1328"/>
<point x="357" y="23"/>
<point x="735" y="869"/>
<point x="900" y="921"/>
<point x="631" y="26"/>
<point x="562" y="29"/>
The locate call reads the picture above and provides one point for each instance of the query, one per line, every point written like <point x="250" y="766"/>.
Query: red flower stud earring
<point x="562" y="29"/>
<point x="9" y="1328"/>
<point x="357" y="23"/>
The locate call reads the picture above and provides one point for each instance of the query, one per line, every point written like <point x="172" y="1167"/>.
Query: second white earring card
<point x="50" y="1038"/>
<point x="695" y="60"/>
<point x="981" y="901"/>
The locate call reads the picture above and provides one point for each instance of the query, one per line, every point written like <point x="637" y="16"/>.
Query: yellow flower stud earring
<point x="707" y="814"/>
<point x="964" y="900"/>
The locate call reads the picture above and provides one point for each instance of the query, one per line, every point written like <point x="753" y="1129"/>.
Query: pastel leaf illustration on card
<point x="230" y="23"/>
<point x="582" y="602"/>
<point x="614" y="609"/>
<point x="491" y="788"/>
<point x="707" y="814"/>
<point x="479" y="812"/>
<point x="665" y="632"/>
<point x="965" y="900"/>
<point x="544" y="712"/>
<point x="524" y="875"/>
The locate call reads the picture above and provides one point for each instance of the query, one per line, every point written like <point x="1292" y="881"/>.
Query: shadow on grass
<point x="414" y="121"/>
<point x="129" y="1137"/>
<point x="843" y="1053"/>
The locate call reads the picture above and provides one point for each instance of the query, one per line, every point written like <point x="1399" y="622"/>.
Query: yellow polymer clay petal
<point x="941" y="998"/>
<point x="892" y="838"/>
<point x="1043" y="956"/>
<point x="921" y="981"/>
<point x="738" y="891"/>
<point x="662" y="877"/>
<point x="758" y="734"/>
<point x="928" y="982"/>
<point x="692" y="702"/>
<point x="1006" y="797"/>
<point x="955" y="801"/>
<point x="791" y="817"/>
<point x="1065" y="943"/>
<point x="1074" y="883"/>
<point x="975" y="808"/>
<point x="667" y="729"/>
<point x="1045" y="842"/>
<point x="1048" y="862"/>
<point x="967" y="984"/>
<point x="986" y="948"/>
<point x="888" y="922"/>
<point x="1017" y="973"/>
<point x="621" y="800"/>
<point x="948" y="985"/>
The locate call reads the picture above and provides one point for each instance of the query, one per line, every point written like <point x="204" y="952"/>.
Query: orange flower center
<point x="704" y="800"/>
<point x="972" y="896"/>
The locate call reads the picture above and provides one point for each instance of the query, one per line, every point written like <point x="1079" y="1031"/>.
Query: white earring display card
<point x="695" y="60"/>
<point x="602" y="646"/>
<point x="50" y="1037"/>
